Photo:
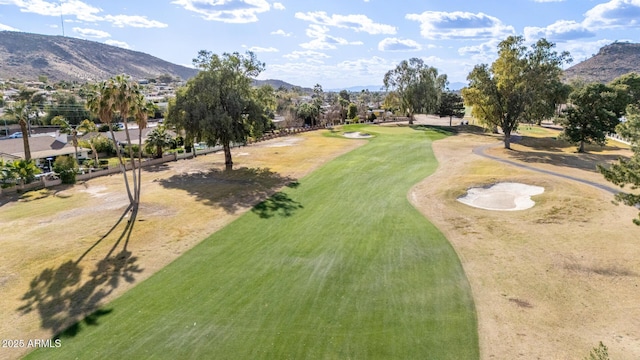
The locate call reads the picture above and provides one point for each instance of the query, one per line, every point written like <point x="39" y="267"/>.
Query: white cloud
<point x="229" y="11"/>
<point x="460" y="25"/>
<point x="322" y="41"/>
<point x="258" y="49"/>
<point x="91" y="33"/>
<point x="77" y="8"/>
<point x="117" y="43"/>
<point x="615" y="13"/>
<point x="359" y="23"/>
<point x="481" y="53"/>
<point x="82" y="12"/>
<point x="395" y="44"/>
<point x="582" y="50"/>
<point x="306" y="54"/>
<point x="562" y="30"/>
<point x="133" y="21"/>
<point x="278" y="6"/>
<point x="281" y="33"/>
<point x="4" y="27"/>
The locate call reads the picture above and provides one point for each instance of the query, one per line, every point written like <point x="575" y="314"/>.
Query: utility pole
<point x="62" y="22"/>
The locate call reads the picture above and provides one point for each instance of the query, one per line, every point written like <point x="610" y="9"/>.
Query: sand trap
<point x="356" y="135"/>
<point x="502" y="196"/>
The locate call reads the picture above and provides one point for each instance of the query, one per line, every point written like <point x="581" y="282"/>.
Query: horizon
<point x="334" y="44"/>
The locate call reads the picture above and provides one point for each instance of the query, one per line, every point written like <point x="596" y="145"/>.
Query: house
<point x="44" y="149"/>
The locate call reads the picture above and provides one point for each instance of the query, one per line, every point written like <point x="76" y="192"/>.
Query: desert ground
<point x="549" y="282"/>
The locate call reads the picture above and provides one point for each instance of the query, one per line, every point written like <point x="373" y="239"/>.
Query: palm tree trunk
<point x="25" y="140"/>
<point x="123" y="168"/>
<point x="133" y="163"/>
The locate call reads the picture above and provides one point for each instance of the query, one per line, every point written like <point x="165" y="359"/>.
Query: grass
<point x="339" y="266"/>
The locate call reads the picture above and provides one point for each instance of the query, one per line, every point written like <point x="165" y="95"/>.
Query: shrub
<point x="66" y="167"/>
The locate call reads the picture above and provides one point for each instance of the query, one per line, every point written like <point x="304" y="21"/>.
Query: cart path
<point x="480" y="150"/>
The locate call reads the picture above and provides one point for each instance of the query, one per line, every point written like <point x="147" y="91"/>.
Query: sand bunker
<point x="356" y="135"/>
<point x="502" y="196"/>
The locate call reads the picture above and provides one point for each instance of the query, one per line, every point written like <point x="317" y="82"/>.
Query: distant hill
<point x="610" y="62"/>
<point x="276" y="84"/>
<point x="27" y="56"/>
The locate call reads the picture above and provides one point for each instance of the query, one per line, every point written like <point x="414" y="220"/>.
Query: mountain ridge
<point x="28" y="56"/>
<point x="610" y="62"/>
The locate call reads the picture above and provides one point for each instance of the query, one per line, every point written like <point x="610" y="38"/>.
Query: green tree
<point x="25" y="170"/>
<point x="629" y="84"/>
<point x="352" y="111"/>
<point x="317" y="101"/>
<point x="307" y="112"/>
<point x="218" y="105"/>
<point x="451" y="104"/>
<point x="157" y="140"/>
<point x="68" y="107"/>
<point x="67" y="168"/>
<point x="509" y="90"/>
<point x="593" y="112"/>
<point x="20" y="112"/>
<point x="627" y="171"/>
<point x="599" y="353"/>
<point x="418" y="86"/>
<point x="344" y="100"/>
<point x="7" y="174"/>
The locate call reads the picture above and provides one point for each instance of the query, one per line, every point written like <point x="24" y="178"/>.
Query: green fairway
<point x="339" y="267"/>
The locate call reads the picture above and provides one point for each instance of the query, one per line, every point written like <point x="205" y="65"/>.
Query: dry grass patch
<point x="549" y="282"/>
<point x="48" y="237"/>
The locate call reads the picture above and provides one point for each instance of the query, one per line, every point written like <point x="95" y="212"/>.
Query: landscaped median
<point x="338" y="265"/>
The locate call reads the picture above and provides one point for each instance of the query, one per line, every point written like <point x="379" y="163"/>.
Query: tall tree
<point x="344" y="100"/>
<point x="501" y="94"/>
<point x="627" y="171"/>
<point x="111" y="98"/>
<point x="418" y="86"/>
<point x="451" y="105"/>
<point x="218" y="104"/>
<point x="20" y="111"/>
<point x="594" y="111"/>
<point x="318" y="101"/>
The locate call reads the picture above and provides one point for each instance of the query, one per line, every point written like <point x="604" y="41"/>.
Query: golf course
<point x="336" y="265"/>
<point x="320" y="246"/>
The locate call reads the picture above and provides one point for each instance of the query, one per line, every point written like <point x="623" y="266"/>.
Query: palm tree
<point x="102" y="101"/>
<point x="26" y="170"/>
<point x="88" y="126"/>
<point x="20" y="111"/>
<point x="158" y="138"/>
<point x="66" y="128"/>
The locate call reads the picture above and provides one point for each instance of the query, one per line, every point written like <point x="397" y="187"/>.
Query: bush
<point x="104" y="145"/>
<point x="66" y="167"/>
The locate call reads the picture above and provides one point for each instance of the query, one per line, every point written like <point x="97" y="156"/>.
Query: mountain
<point x="610" y="62"/>
<point x="27" y="56"/>
<point x="276" y="84"/>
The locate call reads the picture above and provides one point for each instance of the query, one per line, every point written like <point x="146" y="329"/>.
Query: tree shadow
<point x="230" y="189"/>
<point x="66" y="301"/>
<point x="277" y="204"/>
<point x="584" y="161"/>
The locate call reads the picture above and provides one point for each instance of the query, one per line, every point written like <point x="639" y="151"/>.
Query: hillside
<point x="26" y="56"/>
<point x="610" y="62"/>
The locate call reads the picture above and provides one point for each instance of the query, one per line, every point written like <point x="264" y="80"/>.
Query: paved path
<point x="480" y="150"/>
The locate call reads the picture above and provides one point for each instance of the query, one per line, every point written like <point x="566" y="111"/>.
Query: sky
<point x="334" y="43"/>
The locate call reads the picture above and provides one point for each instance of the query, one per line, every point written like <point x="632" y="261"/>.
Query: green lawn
<point x="339" y="267"/>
